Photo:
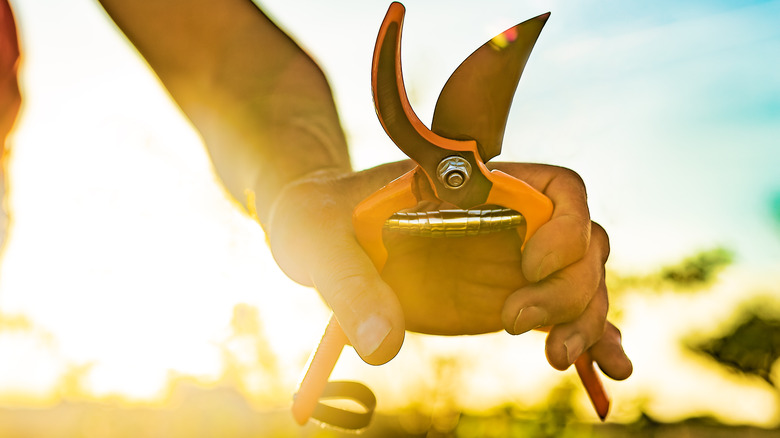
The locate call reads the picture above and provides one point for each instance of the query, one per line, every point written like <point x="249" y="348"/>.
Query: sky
<point x="668" y="111"/>
<point x="126" y="253"/>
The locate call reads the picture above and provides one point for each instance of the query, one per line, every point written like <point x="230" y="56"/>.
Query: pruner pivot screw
<point x="454" y="171"/>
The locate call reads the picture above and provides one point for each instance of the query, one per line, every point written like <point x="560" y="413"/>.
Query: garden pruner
<point x="467" y="131"/>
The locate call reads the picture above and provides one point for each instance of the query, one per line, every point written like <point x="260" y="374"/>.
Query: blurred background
<point x="137" y="299"/>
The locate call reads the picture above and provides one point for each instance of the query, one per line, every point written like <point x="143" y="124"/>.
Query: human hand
<point x="563" y="263"/>
<point x="438" y="286"/>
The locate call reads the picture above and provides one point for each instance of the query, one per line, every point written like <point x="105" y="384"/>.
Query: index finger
<point x="565" y="238"/>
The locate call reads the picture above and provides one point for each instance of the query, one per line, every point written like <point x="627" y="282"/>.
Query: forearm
<point x="262" y="106"/>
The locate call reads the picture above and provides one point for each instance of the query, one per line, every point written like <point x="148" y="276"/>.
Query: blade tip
<point x="603" y="410"/>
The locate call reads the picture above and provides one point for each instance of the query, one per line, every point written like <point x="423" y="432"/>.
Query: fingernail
<point x="371" y="333"/>
<point x="574" y="346"/>
<point x="529" y="318"/>
<point x="547" y="266"/>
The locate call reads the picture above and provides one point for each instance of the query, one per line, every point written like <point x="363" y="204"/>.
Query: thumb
<point x="311" y="237"/>
<point x="364" y="305"/>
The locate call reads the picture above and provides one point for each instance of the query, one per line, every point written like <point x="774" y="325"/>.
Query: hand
<point x="564" y="264"/>
<point x="464" y="282"/>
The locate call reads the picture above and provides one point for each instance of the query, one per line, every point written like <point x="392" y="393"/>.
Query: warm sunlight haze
<point x="129" y="272"/>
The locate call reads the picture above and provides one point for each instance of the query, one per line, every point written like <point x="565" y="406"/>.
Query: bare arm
<point x="262" y="106"/>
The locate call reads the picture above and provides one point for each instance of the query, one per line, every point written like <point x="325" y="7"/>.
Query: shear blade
<point x="475" y="101"/>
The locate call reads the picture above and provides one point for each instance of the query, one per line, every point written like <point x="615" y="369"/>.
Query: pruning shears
<point x="467" y="131"/>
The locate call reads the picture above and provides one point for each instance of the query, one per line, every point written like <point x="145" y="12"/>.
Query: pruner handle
<point x="370" y="215"/>
<point x="321" y="364"/>
<point x="315" y="387"/>
<point x="591" y="381"/>
<point x="510" y="192"/>
<point x="368" y="219"/>
<point x="506" y="191"/>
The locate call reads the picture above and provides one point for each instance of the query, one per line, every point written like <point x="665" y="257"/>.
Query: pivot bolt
<point x="454" y="171"/>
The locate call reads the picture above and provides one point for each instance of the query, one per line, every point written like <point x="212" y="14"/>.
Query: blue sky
<point x="670" y="111"/>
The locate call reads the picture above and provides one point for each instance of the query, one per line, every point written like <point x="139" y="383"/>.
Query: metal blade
<point x="475" y="101"/>
<point x="406" y="130"/>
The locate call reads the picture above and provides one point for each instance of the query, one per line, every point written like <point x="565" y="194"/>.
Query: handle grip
<point x="592" y="383"/>
<point x="321" y="364"/>
<point x="368" y="219"/>
<point x="315" y="387"/>
<point x="370" y="215"/>
<point x="510" y="192"/>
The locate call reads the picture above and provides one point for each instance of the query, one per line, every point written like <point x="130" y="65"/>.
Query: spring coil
<point x="454" y="223"/>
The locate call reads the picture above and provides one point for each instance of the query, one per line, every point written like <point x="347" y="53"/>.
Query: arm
<point x="262" y="106"/>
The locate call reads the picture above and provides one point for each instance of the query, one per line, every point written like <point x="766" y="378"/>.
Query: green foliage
<point x="691" y="274"/>
<point x="751" y="347"/>
<point x="554" y="418"/>
<point x="699" y="270"/>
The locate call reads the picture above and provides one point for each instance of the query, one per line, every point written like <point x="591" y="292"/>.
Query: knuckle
<point x="600" y="236"/>
<point x="601" y="321"/>
<point x="599" y="329"/>
<point x="583" y="238"/>
<point x="570" y="178"/>
<point x="584" y="285"/>
<point x="613" y="332"/>
<point x="576" y="233"/>
<point x="577" y="298"/>
<point x="343" y="288"/>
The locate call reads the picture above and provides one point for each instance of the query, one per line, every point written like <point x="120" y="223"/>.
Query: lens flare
<point x="504" y="39"/>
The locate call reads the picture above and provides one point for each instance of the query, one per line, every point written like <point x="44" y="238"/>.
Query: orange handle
<point x="510" y="192"/>
<point x="592" y="383"/>
<point x="320" y="366"/>
<point x="368" y="219"/>
<point x="370" y="215"/>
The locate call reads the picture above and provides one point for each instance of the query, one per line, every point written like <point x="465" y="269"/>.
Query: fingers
<point x="562" y="297"/>
<point x="566" y="342"/>
<point x="564" y="260"/>
<point x="565" y="238"/>
<point x="608" y="353"/>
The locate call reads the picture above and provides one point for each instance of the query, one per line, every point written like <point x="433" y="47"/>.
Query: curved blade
<point x="406" y="130"/>
<point x="391" y="102"/>
<point x="475" y="101"/>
